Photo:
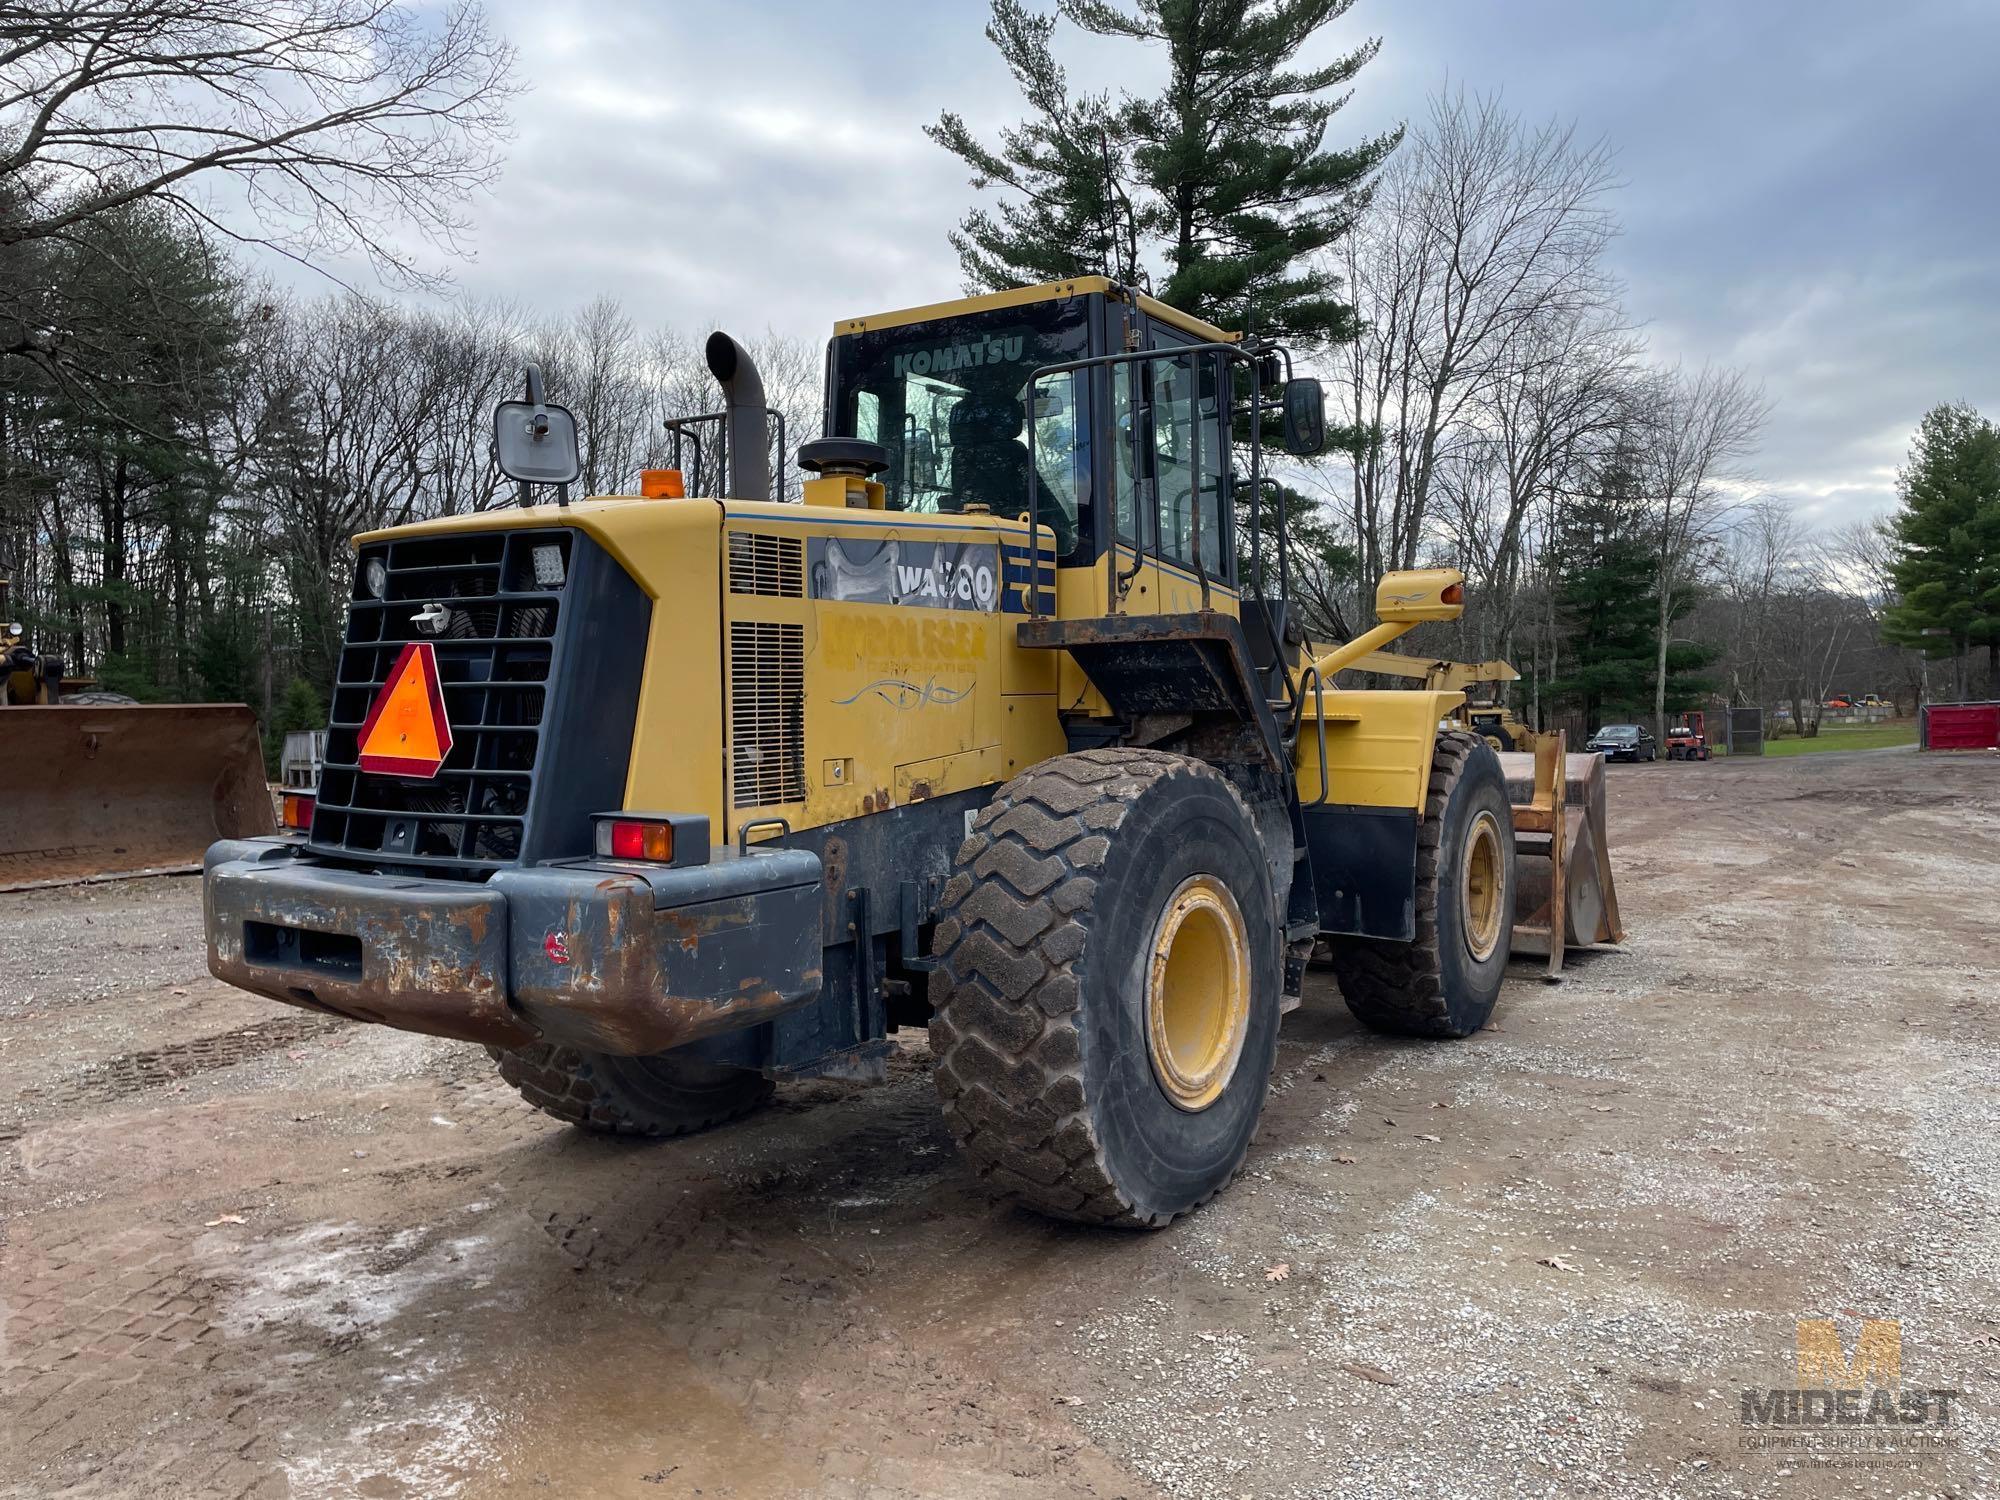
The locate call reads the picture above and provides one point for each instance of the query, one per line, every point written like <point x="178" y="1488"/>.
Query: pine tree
<point x="1217" y="194"/>
<point x="1946" y="566"/>
<point x="1607" y="603"/>
<point x="1072" y="217"/>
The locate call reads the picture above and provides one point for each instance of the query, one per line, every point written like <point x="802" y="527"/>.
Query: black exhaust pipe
<point x="746" y="421"/>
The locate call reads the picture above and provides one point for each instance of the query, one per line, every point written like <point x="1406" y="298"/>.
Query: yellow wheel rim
<point x="1481" y="897"/>
<point x="1198" y="993"/>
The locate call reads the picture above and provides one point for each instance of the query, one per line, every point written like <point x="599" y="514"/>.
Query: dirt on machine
<point x="998" y="732"/>
<point x="95" y="784"/>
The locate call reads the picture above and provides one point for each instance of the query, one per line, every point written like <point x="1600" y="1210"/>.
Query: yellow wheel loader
<point x="94" y="784"/>
<point x="1493" y="722"/>
<point x="662" y="799"/>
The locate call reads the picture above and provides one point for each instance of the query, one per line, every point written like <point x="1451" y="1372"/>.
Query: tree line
<point x="1500" y="409"/>
<point x="184" y="453"/>
<point x="180" y="526"/>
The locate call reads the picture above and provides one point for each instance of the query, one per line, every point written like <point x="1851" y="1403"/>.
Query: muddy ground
<point x="252" y="1252"/>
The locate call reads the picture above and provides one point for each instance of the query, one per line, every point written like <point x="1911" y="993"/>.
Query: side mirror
<point x="1305" y="418"/>
<point x="534" y="442"/>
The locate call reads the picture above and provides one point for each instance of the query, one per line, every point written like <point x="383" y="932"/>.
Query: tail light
<point x="653" y="838"/>
<point x="298" y="810"/>
<point x="627" y="838"/>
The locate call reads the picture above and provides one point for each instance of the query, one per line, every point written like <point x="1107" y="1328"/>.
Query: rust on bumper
<point x="609" y="959"/>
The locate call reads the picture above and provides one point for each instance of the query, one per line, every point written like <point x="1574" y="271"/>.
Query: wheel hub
<point x="1198" y="993"/>
<point x="1480" y="894"/>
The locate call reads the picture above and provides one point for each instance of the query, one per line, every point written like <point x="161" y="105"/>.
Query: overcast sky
<point x="1812" y="189"/>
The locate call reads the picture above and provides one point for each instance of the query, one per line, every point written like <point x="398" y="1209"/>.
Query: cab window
<point x="1171" y="399"/>
<point x="1184" y="399"/>
<point x="949" y="401"/>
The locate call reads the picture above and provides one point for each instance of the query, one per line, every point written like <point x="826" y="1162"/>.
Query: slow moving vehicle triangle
<point x="406" y="732"/>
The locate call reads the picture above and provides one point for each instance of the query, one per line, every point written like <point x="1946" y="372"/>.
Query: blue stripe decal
<point x="829" y="516"/>
<point x="1012" y="551"/>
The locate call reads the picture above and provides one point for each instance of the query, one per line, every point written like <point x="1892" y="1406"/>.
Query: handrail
<point x="1271" y="631"/>
<point x="688" y="426"/>
<point x="1123" y="581"/>
<point x="743" y="833"/>
<point x="1195" y="476"/>
<point x="1319" y="725"/>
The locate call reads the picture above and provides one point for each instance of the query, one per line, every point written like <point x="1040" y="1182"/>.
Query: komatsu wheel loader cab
<point x="1007" y="730"/>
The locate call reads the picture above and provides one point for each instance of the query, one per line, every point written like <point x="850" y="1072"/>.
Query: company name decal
<point x="930" y="575"/>
<point x="991" y="351"/>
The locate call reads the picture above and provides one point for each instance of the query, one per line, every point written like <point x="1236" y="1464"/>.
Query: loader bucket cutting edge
<point x="1590" y="897"/>
<point x="118" y="789"/>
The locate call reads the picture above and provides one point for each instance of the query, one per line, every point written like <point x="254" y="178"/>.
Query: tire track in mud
<point x="96" y="1084"/>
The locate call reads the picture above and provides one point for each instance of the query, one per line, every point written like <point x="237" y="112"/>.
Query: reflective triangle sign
<point x="406" y="732"/>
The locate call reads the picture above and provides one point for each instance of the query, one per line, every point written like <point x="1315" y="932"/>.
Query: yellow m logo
<point x="1823" y="1363"/>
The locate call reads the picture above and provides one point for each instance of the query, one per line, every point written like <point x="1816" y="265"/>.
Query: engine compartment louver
<point x="773" y="566"/>
<point x="767" y="686"/>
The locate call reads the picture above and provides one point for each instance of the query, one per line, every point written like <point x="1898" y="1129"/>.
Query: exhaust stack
<point x="746" y="421"/>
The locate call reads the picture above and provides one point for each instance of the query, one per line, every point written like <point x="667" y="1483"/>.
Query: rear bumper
<point x="608" y="958"/>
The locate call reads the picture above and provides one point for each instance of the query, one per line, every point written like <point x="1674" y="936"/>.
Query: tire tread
<point x="572" y="1086"/>
<point x="1006" y="998"/>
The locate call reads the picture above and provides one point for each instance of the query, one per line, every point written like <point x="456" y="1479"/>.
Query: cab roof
<point x="1048" y="291"/>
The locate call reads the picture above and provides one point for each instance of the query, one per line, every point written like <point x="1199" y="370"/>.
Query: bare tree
<point x="1485" y="235"/>
<point x="1861" y="553"/>
<point x="1528" y="438"/>
<point x="315" y="127"/>
<point x="591" y="363"/>
<point x="1698" y="430"/>
<point x="680" y="385"/>
<point x="1758" y="565"/>
<point x="1814" y="627"/>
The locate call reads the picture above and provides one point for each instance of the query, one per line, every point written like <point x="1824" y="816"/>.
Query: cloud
<point x="1809" y="189"/>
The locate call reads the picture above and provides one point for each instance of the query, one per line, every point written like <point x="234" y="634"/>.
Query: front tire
<point x="1447" y="981"/>
<point x="656" y="1097"/>
<point x="1106" y="1013"/>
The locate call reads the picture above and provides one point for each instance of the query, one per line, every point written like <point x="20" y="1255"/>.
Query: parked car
<point x="1624" y="742"/>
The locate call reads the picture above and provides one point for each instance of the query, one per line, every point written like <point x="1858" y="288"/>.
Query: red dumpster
<point x="1961" y="726"/>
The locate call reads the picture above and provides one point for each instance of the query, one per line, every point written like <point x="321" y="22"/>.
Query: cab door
<point x="1170" y="462"/>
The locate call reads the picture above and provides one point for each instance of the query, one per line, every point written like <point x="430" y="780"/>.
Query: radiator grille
<point x="503" y="593"/>
<point x="769" y="565"/>
<point x="767" y="686"/>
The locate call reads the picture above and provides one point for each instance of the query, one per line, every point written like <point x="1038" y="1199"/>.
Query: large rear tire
<point x="1446" y="982"/>
<point x="660" y="1096"/>
<point x="1106" y="1015"/>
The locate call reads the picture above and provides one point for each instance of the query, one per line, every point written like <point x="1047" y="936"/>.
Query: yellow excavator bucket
<point x="90" y="790"/>
<point x="1563" y="852"/>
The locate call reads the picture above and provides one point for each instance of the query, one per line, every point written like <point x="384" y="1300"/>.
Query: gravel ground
<point x="249" y="1251"/>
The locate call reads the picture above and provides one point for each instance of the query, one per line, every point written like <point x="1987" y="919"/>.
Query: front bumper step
<point x="605" y="957"/>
